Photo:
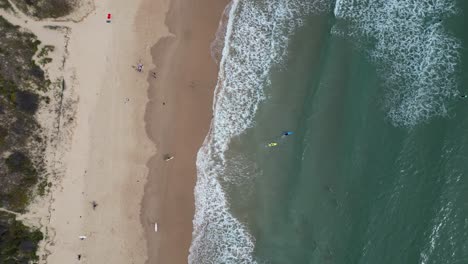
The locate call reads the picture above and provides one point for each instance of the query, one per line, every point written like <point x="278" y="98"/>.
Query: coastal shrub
<point x="36" y="71"/>
<point x="3" y="135"/>
<point x="27" y="101"/>
<point x="18" y="199"/>
<point x="17" y="48"/>
<point x="18" y="162"/>
<point x="42" y="187"/>
<point x="20" y="129"/>
<point x="46" y="8"/>
<point x="4" y="24"/>
<point x="22" y="146"/>
<point x="18" y="243"/>
<point x="45" y="60"/>
<point x="4" y="4"/>
<point x="7" y="89"/>
<point x="45" y="51"/>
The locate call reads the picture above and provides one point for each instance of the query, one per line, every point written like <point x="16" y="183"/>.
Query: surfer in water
<point x="284" y="134"/>
<point x="272" y="144"/>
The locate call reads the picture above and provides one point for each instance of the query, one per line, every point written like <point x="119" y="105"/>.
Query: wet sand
<point x="177" y="120"/>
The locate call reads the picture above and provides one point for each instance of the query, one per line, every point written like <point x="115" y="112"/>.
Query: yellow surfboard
<point x="272" y="144"/>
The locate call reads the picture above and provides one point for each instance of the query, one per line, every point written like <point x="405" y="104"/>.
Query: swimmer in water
<point x="287" y="133"/>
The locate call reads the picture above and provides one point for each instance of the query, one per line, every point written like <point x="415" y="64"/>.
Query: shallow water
<point x="376" y="169"/>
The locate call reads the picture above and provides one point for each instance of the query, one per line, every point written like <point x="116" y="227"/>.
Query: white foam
<point x="218" y="43"/>
<point x="416" y="55"/>
<point x="257" y="35"/>
<point x="441" y="224"/>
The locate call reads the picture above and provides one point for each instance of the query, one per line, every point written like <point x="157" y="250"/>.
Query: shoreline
<point x="177" y="118"/>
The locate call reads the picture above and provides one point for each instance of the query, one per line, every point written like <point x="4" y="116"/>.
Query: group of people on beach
<point x="139" y="68"/>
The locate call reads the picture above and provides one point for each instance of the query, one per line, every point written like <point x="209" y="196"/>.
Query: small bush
<point x="42" y="187"/>
<point x="45" y="60"/>
<point x="7" y="88"/>
<point x="18" y="162"/>
<point x="27" y="101"/>
<point x="45" y="51"/>
<point x="46" y="8"/>
<point x="3" y="135"/>
<point x="36" y="71"/>
<point x="18" y="243"/>
<point x="18" y="200"/>
<point x="4" y="4"/>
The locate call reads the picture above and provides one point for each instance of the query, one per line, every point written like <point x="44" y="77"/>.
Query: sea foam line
<point x="413" y="52"/>
<point x="213" y="223"/>
<point x="257" y="34"/>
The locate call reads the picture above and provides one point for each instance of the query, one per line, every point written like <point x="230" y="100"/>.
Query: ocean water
<point x="376" y="170"/>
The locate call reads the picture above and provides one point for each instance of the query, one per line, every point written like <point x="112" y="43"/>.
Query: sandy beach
<point x="110" y="183"/>
<point x="177" y="119"/>
<point x="106" y="161"/>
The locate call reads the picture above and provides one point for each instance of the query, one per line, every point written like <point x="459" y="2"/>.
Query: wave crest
<point x="257" y="35"/>
<point x="416" y="55"/>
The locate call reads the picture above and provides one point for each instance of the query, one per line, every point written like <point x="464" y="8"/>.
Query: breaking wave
<point x="416" y="55"/>
<point x="256" y="39"/>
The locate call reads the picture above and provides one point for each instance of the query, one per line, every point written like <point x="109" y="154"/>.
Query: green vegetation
<point x="42" y="187"/>
<point x="46" y="8"/>
<point x="3" y="135"/>
<point x="42" y="56"/>
<point x="17" y="68"/>
<point x="45" y="60"/>
<point x="17" y="162"/>
<point x="18" y="244"/>
<point x="4" y="4"/>
<point x="22" y="83"/>
<point x="45" y="51"/>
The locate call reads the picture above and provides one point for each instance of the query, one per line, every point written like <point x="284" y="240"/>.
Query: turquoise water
<point x="376" y="171"/>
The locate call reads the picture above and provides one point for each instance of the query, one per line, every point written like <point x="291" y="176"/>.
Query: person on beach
<point x="139" y="67"/>
<point x="168" y="157"/>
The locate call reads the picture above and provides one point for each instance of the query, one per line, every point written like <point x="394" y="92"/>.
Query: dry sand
<point x="106" y="161"/>
<point x="109" y="148"/>
<point x="178" y="118"/>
